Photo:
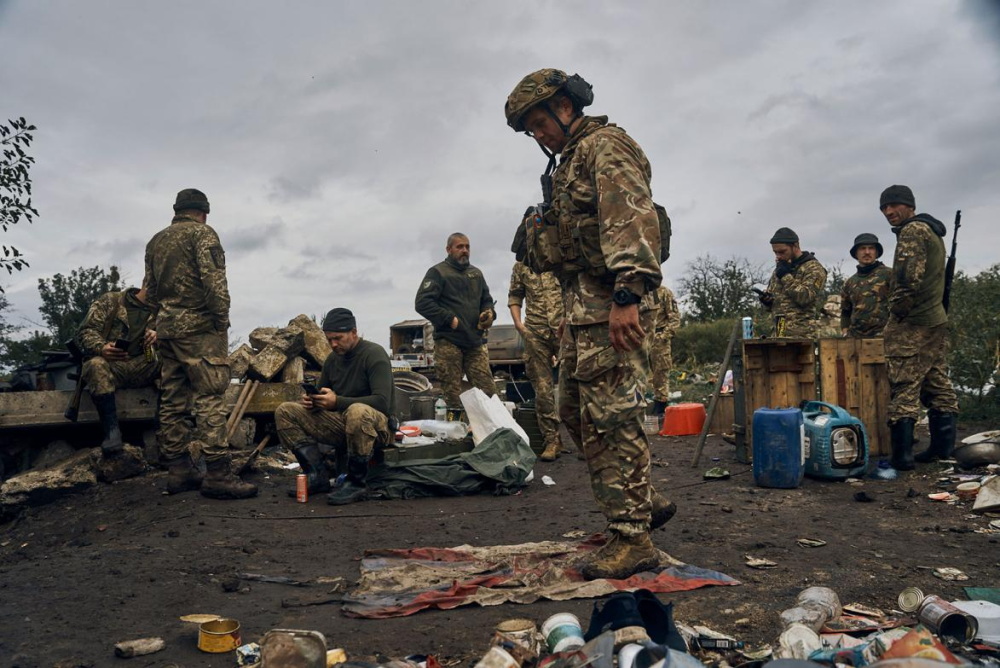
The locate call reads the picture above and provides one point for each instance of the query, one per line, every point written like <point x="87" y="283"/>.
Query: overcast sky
<point x="340" y="142"/>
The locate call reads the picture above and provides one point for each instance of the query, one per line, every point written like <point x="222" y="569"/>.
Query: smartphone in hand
<point x="121" y="344"/>
<point x="310" y="389"/>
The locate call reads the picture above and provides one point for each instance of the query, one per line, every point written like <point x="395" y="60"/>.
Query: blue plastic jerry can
<point x="836" y="443"/>
<point x="778" y="448"/>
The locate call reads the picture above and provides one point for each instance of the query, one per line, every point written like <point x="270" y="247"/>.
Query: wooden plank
<point x="45" y="409"/>
<point x="722" y="421"/>
<point x="872" y="351"/>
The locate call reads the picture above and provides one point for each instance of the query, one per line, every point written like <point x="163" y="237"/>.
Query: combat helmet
<point x="541" y="86"/>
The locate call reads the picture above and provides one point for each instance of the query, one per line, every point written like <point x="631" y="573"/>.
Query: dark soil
<point x="124" y="561"/>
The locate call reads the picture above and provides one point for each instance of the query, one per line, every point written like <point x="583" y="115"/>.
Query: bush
<point x="702" y="342"/>
<point x="974" y="359"/>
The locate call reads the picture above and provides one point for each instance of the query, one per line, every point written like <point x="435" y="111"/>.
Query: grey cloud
<point x="258" y="237"/>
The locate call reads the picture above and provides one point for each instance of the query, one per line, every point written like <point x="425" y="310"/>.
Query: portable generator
<point x="836" y="443"/>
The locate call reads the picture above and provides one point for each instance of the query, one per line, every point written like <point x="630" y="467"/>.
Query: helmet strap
<point x="565" y="128"/>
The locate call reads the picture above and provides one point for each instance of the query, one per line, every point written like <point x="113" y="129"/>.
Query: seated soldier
<point x="352" y="410"/>
<point x="117" y="318"/>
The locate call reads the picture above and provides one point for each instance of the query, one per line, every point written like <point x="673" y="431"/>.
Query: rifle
<point x="72" y="411"/>
<point x="949" y="271"/>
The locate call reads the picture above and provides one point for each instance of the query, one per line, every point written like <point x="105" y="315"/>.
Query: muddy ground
<point x="125" y="561"/>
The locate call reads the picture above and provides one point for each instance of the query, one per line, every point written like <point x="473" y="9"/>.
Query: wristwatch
<point x="625" y="297"/>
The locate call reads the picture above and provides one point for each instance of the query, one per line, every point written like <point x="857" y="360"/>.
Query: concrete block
<point x="239" y="361"/>
<point x="294" y="371"/>
<point x="262" y="337"/>
<point x="317" y="348"/>
<point x="285" y="345"/>
<point x="40" y="486"/>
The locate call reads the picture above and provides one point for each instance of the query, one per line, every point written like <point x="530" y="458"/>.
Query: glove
<point x="766" y="298"/>
<point x="783" y="269"/>
<point x="486" y="319"/>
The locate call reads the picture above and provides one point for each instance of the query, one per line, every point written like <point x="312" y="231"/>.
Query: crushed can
<point x="302" y="488"/>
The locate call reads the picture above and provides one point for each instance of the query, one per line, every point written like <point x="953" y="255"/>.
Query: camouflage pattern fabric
<point x="601" y="193"/>
<point x="918" y="272"/>
<point x="357" y="429"/>
<point x="186" y="280"/>
<point x="193" y="384"/>
<point x="918" y="370"/>
<point x="130" y="322"/>
<point x="864" y="301"/>
<point x="540" y="293"/>
<point x="798" y="298"/>
<point x="668" y="321"/>
<point x="601" y="403"/>
<point x="452" y="362"/>
<point x="104" y="377"/>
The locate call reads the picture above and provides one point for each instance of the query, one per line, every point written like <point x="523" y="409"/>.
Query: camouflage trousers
<point x="794" y="326"/>
<point x="661" y="362"/>
<point x="540" y="345"/>
<point x="356" y="429"/>
<point x="104" y="377"/>
<point x="193" y="385"/>
<point x="601" y="402"/>
<point x="918" y="370"/>
<point x="452" y="362"/>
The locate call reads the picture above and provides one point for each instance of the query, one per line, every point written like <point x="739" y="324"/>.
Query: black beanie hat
<point x="785" y="235"/>
<point x="866" y="239"/>
<point x="339" y="320"/>
<point x="191" y="198"/>
<point x="897" y="195"/>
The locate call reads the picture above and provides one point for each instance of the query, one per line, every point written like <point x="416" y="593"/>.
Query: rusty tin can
<point x="302" y="488"/>
<point x="946" y="620"/>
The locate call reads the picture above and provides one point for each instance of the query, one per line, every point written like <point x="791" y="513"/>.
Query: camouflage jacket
<point x="601" y="190"/>
<point x="918" y="272"/>
<point x="799" y="296"/>
<point x="864" y="301"/>
<point x="186" y="280"/>
<point x="669" y="316"/>
<point x="130" y="323"/>
<point x="542" y="294"/>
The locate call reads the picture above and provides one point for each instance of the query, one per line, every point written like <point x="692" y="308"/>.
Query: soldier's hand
<point x="326" y="399"/>
<point x="150" y="338"/>
<point x="624" y="329"/>
<point x="766" y="298"/>
<point x="519" y="326"/>
<point x="307" y="402"/>
<point x="454" y="322"/>
<point x="486" y="319"/>
<point x="113" y="354"/>
<point x="783" y="269"/>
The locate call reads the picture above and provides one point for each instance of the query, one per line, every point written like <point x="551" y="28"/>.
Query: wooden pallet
<point x="853" y="375"/>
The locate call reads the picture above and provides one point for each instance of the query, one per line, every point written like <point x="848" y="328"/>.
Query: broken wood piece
<point x="240" y="401"/>
<point x="254" y="384"/>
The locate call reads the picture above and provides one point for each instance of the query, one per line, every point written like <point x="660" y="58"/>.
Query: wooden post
<point x="737" y="329"/>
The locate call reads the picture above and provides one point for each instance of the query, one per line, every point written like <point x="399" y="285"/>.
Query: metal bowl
<point x="969" y="456"/>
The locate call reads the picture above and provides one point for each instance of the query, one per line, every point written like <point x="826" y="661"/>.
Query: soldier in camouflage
<point x="540" y="328"/>
<point x="124" y="316"/>
<point x="454" y="297"/>
<point x="864" y="299"/>
<point x="795" y="293"/>
<point x="601" y="195"/>
<point x="916" y="335"/>
<point x="668" y="321"/>
<point x="187" y="290"/>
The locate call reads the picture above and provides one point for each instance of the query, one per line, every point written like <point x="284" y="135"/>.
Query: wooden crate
<point x="853" y="375"/>
<point x="723" y="419"/>
<point x="777" y="373"/>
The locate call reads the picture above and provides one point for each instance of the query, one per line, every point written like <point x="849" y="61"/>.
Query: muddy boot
<point x="222" y="483"/>
<point x="622" y="557"/>
<point x="942" y="428"/>
<point x="108" y="412"/>
<point x="311" y="460"/>
<point x="552" y="450"/>
<point x="183" y="475"/>
<point x="354" y="487"/>
<point x="663" y="510"/>
<point x="902" y="444"/>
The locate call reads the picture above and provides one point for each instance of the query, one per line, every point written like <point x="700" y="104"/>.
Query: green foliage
<point x="835" y="279"/>
<point x="974" y="321"/>
<point x="713" y="289"/>
<point x="15" y="186"/>
<point x="702" y="342"/>
<point x="66" y="299"/>
<point x="15" y="353"/>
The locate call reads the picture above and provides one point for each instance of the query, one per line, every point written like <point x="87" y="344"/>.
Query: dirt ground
<point x="124" y="561"/>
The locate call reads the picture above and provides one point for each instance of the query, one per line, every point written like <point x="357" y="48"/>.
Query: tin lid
<point x="910" y="599"/>
<point x="516" y="626"/>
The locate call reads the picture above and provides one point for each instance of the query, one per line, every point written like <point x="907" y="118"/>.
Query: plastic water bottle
<point x="814" y="607"/>
<point x="440" y="410"/>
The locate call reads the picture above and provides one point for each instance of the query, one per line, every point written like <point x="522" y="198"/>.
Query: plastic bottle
<point x="814" y="607"/>
<point x="440" y="410"/>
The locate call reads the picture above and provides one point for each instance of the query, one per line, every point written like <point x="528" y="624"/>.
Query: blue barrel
<point x="778" y="457"/>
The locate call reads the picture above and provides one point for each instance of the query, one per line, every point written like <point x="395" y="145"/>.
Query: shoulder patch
<point x="428" y="284"/>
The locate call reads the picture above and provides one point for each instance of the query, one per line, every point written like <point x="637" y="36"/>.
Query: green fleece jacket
<point x="451" y="290"/>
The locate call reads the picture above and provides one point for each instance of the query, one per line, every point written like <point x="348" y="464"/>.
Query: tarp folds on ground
<point x="500" y="464"/>
<point x="397" y="583"/>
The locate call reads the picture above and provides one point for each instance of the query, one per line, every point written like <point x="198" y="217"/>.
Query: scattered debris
<point x="716" y="473"/>
<point x="129" y="648"/>
<point x="810" y="542"/>
<point x="950" y="574"/>
<point x="548" y="481"/>
<point x="758" y="562"/>
<point x="862" y="497"/>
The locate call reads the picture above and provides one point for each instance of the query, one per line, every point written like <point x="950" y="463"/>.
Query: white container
<point x="988" y="616"/>
<point x="440" y="410"/>
<point x="563" y="632"/>
<point x="626" y="655"/>
<point x="497" y="657"/>
<point x="440" y="429"/>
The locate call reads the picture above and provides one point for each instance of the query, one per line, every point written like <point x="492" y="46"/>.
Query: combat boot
<point x="622" y="557"/>
<point x="942" y="428"/>
<point x="552" y="450"/>
<point x="354" y="487"/>
<point x="222" y="483"/>
<point x="901" y="432"/>
<point x="663" y="510"/>
<point x="311" y="460"/>
<point x="182" y="475"/>
<point x="108" y="412"/>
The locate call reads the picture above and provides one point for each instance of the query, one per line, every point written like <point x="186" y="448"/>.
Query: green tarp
<point x="499" y="465"/>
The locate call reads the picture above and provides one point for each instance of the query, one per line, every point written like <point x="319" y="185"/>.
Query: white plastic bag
<point x="487" y="414"/>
